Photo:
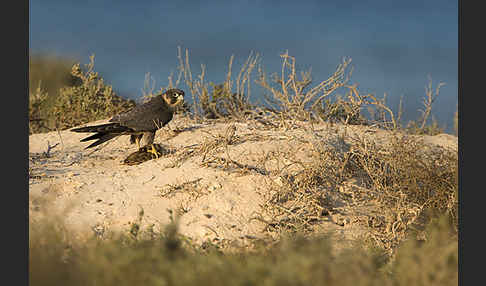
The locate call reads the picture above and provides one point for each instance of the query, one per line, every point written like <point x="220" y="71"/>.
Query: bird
<point x="142" y="121"/>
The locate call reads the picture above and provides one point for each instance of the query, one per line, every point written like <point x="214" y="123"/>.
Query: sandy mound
<point x="219" y="192"/>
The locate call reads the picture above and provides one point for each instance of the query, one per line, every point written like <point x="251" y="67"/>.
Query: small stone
<point x="279" y="181"/>
<point x="214" y="186"/>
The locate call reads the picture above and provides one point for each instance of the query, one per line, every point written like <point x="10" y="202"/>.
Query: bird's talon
<point x="153" y="150"/>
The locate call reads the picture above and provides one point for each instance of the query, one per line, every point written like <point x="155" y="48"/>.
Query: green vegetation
<point x="81" y="97"/>
<point x="90" y="100"/>
<point x="47" y="75"/>
<point x="167" y="260"/>
<point x="51" y="72"/>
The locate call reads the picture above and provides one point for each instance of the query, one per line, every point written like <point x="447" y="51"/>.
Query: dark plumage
<point x="141" y="121"/>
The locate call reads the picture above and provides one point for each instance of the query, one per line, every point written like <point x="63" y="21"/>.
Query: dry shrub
<point x="406" y="182"/>
<point x="300" y="190"/>
<point x="344" y="110"/>
<point x="291" y="96"/>
<point x="383" y="116"/>
<point x="402" y="185"/>
<point x="420" y="126"/>
<point x="430" y="129"/>
<point x="89" y="101"/>
<point x="208" y="149"/>
<point x="210" y="100"/>
<point x="215" y="145"/>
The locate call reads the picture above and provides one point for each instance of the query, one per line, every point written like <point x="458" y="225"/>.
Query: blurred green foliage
<point x="165" y="260"/>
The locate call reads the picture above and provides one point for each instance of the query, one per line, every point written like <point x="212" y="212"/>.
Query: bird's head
<point x="173" y="97"/>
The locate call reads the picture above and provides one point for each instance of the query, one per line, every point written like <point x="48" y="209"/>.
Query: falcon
<point x="140" y="122"/>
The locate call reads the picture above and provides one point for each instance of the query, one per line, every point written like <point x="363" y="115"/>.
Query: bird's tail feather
<point x="102" y="137"/>
<point x="94" y="136"/>
<point x="103" y="132"/>
<point x="103" y="128"/>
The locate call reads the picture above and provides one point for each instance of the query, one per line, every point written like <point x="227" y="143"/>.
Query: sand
<point x="95" y="194"/>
